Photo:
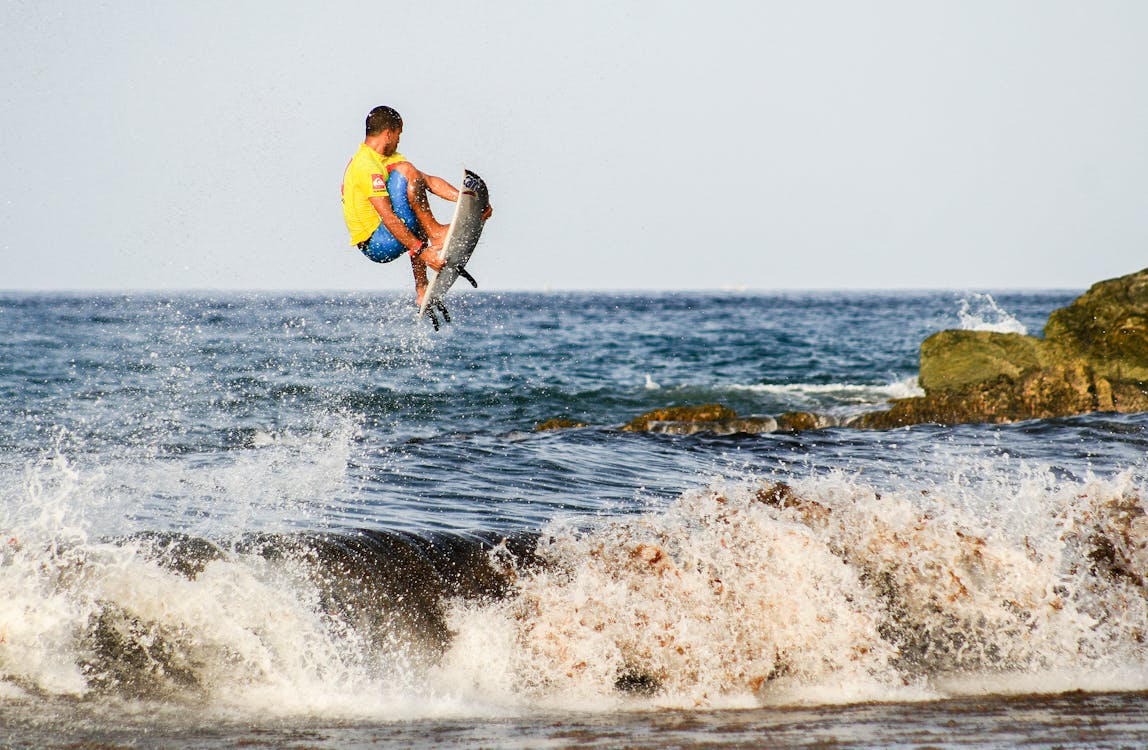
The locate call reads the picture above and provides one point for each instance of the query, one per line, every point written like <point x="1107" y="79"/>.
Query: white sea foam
<point x="244" y="633"/>
<point x="829" y="593"/>
<point x="980" y="312"/>
<point x="812" y="394"/>
<point x="738" y="593"/>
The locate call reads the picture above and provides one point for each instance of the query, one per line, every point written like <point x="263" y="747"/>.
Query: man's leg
<point x="417" y="195"/>
<point x="420" y="271"/>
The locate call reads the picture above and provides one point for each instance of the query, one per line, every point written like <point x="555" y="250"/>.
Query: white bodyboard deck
<point x="461" y="239"/>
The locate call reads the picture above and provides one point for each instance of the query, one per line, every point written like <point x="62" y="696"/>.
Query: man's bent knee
<point x="407" y="170"/>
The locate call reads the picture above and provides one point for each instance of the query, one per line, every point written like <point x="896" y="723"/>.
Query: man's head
<point x="383" y="118"/>
<point x="384" y="127"/>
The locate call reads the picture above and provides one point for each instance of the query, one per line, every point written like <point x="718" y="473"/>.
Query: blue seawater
<point x="314" y="505"/>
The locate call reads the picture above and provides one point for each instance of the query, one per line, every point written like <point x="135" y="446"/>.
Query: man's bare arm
<point x="445" y="190"/>
<point x="399" y="231"/>
<point x="441" y="187"/>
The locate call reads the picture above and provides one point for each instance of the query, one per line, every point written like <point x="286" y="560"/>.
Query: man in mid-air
<point x="385" y="201"/>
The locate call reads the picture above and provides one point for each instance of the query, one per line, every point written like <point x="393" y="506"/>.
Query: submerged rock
<point x="1093" y="357"/>
<point x="558" y="423"/>
<point x="722" y="420"/>
<point x="717" y="419"/>
<point x="793" y="421"/>
<point x="683" y="414"/>
<point x="732" y="426"/>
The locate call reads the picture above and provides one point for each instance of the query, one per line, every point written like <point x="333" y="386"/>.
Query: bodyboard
<point x="461" y="239"/>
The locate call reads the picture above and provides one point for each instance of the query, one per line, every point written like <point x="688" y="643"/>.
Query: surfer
<point x="385" y="201"/>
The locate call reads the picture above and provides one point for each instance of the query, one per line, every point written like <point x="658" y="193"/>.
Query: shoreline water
<point x="1073" y="719"/>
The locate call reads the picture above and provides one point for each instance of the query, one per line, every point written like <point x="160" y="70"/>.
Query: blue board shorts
<point x="382" y="247"/>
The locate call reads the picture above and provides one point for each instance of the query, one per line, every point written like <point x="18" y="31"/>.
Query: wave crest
<point x="766" y="592"/>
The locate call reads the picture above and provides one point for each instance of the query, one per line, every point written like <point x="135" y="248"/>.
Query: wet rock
<point x="1107" y="326"/>
<point x="689" y="420"/>
<point x="1041" y="394"/>
<point x="558" y="423"/>
<point x="702" y="413"/>
<point x="1094" y="357"/>
<point x="781" y="495"/>
<point x="637" y="683"/>
<point x="955" y="359"/>
<point x="734" y="426"/>
<point x="793" y="421"/>
<point x="140" y="658"/>
<point x="713" y="418"/>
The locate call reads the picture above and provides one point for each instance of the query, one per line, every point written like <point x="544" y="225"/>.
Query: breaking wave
<point x="736" y="593"/>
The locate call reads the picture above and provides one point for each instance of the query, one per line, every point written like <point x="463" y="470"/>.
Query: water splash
<point x="980" y="312"/>
<point x="825" y="591"/>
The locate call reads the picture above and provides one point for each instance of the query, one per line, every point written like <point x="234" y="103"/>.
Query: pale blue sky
<point x="667" y="145"/>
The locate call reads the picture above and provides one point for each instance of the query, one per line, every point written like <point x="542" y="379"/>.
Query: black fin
<point x="463" y="273"/>
<point x="433" y="318"/>
<point x="442" y="309"/>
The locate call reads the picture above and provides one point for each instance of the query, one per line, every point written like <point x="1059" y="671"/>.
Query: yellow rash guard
<point x="365" y="178"/>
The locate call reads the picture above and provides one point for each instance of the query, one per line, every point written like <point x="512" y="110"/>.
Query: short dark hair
<point x="383" y="118"/>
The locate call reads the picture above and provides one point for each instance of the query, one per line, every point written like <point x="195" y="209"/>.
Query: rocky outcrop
<point x="951" y="360"/>
<point x="1107" y="327"/>
<point x="1093" y="357"/>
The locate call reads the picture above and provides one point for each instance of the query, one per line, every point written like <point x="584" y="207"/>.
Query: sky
<point x="760" y="145"/>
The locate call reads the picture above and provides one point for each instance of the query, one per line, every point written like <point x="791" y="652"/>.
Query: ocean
<point x="307" y="520"/>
